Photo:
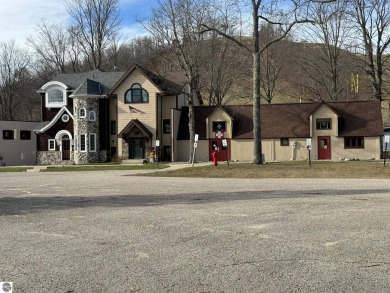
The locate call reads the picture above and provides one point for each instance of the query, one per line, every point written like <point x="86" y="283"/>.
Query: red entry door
<point x="324" y="147"/>
<point x="223" y="153"/>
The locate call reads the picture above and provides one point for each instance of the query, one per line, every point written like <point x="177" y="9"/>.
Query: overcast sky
<point x="18" y="17"/>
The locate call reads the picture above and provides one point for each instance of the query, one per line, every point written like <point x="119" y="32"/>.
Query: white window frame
<point x="85" y="113"/>
<point x="94" y="116"/>
<point x="83" y="136"/>
<point x="55" y="104"/>
<point x="49" y="143"/>
<point x="92" y="137"/>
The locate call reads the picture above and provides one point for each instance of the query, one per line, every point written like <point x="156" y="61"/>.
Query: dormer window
<point x="55" y="98"/>
<point x="136" y="94"/>
<point x="55" y="95"/>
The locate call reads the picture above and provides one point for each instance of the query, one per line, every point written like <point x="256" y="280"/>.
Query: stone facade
<point x="51" y="158"/>
<point x="125" y="150"/>
<point x="134" y="133"/>
<point x="85" y="125"/>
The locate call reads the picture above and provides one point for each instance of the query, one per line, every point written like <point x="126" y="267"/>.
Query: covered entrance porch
<point x="136" y="141"/>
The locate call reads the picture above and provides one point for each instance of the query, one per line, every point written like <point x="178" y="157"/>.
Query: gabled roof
<point x="165" y="86"/>
<point x="138" y="124"/>
<point x="361" y="118"/>
<point x="42" y="127"/>
<point x="219" y="108"/>
<point x="324" y="104"/>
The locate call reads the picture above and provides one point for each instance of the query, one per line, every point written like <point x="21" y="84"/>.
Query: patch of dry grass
<point x="360" y="169"/>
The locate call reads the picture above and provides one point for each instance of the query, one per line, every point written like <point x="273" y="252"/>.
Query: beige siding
<point x="273" y="151"/>
<point x="241" y="150"/>
<point x="150" y="109"/>
<point x="324" y="112"/>
<point x="219" y="115"/>
<point x="371" y="149"/>
<point x="202" y="151"/>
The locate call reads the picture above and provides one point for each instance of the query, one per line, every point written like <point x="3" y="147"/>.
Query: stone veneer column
<point x="85" y="126"/>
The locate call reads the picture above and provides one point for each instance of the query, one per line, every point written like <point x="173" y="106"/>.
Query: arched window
<point x="55" y="96"/>
<point x="92" y="116"/>
<point x="82" y="113"/>
<point x="136" y="94"/>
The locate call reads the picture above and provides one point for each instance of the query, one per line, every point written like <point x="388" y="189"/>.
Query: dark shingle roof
<point x="167" y="86"/>
<point x="361" y="118"/>
<point x="73" y="80"/>
<point x="90" y="88"/>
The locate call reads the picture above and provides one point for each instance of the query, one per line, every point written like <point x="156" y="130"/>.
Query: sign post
<point x="158" y="152"/>
<point x="387" y="140"/>
<point x="195" y="146"/>
<point x="308" y="145"/>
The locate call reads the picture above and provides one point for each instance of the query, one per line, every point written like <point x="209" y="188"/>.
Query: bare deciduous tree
<point x="177" y="25"/>
<point x="285" y="16"/>
<point x="269" y="67"/>
<point x="324" y="60"/>
<point x="50" y="43"/>
<point x="96" y="25"/>
<point x="13" y="72"/>
<point x="373" y="24"/>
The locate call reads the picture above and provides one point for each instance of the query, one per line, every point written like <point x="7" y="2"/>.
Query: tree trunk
<point x="257" y="151"/>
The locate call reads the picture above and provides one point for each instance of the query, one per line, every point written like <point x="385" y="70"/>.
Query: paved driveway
<point x="107" y="232"/>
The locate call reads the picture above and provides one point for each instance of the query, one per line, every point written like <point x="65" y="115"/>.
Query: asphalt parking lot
<point x="109" y="232"/>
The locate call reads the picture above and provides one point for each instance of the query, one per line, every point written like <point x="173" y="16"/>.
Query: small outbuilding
<point x="336" y="130"/>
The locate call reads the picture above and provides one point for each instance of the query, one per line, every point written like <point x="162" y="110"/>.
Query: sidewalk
<point x="182" y="165"/>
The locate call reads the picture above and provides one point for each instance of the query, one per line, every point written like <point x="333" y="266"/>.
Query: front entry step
<point x="133" y="162"/>
<point x="37" y="169"/>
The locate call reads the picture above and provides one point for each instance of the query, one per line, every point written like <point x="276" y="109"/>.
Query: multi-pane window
<point x="354" y="142"/>
<point x="25" y="135"/>
<point x="52" y="144"/>
<point x="82" y="113"/>
<point x="136" y="94"/>
<point x="8" y="134"/>
<point x="92" y="142"/>
<point x="55" y="96"/>
<point x="324" y="123"/>
<point x="83" y="142"/>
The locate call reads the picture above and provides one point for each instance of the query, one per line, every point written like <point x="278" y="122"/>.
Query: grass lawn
<point x="354" y="169"/>
<point x="105" y="167"/>
<point x="14" y="169"/>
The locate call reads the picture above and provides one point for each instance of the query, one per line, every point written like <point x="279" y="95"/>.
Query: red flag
<point x="135" y="110"/>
